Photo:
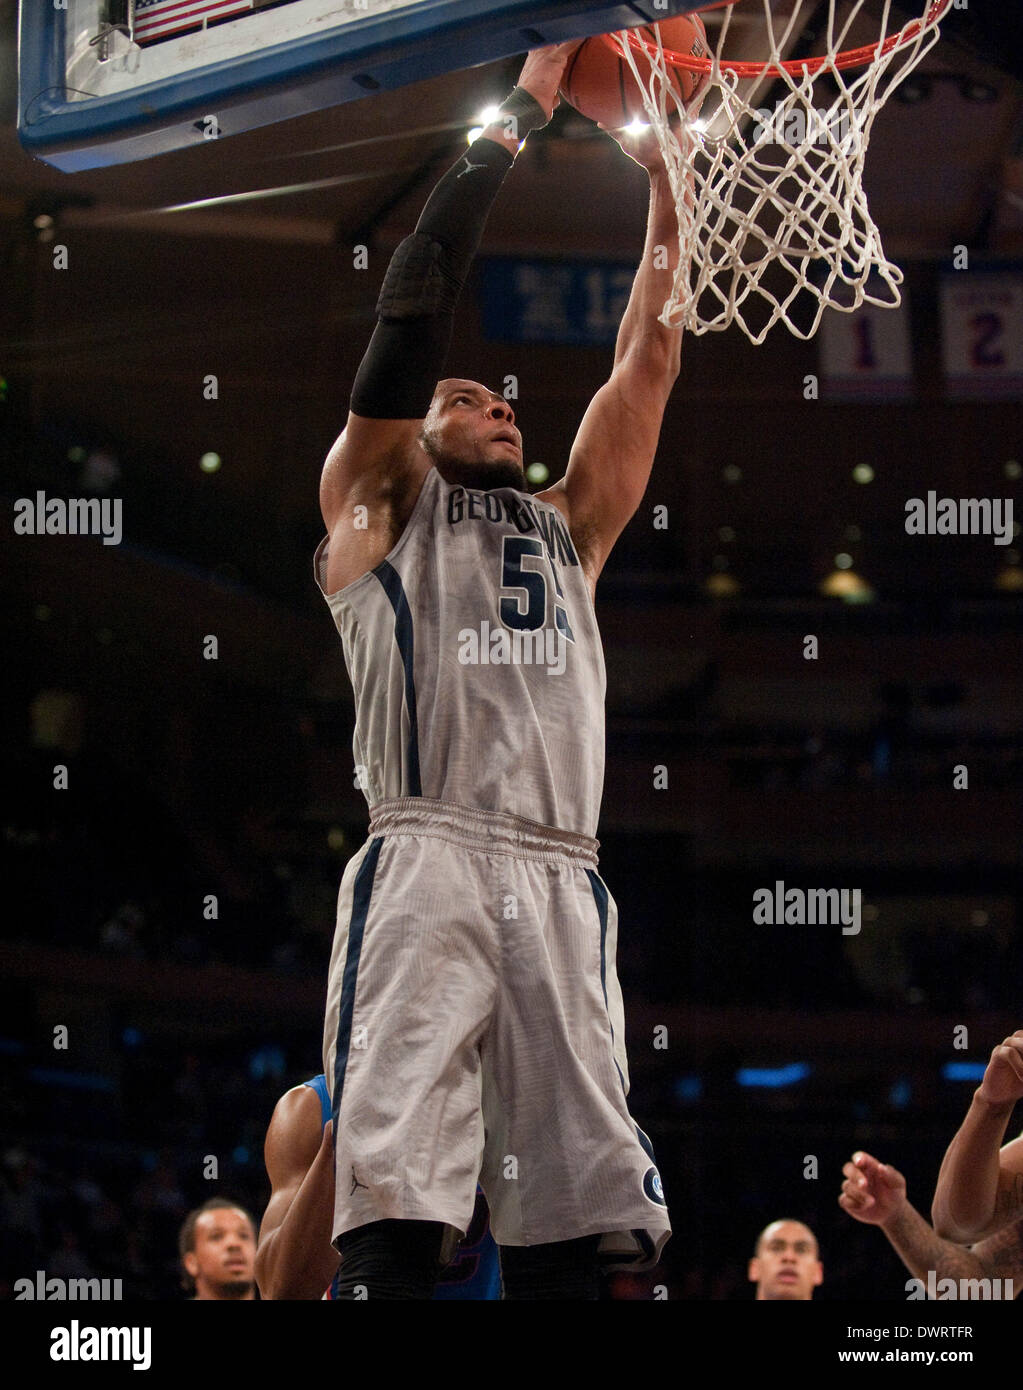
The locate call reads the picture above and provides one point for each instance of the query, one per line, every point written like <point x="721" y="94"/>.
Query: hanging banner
<point x="577" y="302"/>
<point x="982" y="334"/>
<point x="867" y="354"/>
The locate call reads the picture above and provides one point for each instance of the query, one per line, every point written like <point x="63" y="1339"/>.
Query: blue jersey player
<point x="295" y="1259"/>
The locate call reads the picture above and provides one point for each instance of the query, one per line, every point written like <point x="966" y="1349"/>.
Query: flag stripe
<point x="159" y="19"/>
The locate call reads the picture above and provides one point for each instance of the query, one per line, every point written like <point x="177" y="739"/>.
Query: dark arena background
<point x="194" y="365"/>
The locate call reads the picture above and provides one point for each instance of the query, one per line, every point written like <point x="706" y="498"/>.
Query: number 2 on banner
<point x="988" y="329"/>
<point x="982" y="335"/>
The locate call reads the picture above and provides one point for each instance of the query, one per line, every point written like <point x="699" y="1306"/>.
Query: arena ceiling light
<point x="721" y="584"/>
<point x="848" y="586"/>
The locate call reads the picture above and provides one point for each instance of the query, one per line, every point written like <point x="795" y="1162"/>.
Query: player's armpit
<point x="377" y="458"/>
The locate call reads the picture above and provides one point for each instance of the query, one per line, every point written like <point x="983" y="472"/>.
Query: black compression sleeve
<point x="407" y="352"/>
<point x="459" y="206"/>
<point x="565" y="1269"/>
<point x="390" y="1259"/>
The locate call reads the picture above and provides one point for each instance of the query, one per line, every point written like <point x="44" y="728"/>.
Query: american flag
<point x="162" y="19"/>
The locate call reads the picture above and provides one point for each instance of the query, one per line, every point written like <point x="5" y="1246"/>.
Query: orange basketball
<point x="599" y="83"/>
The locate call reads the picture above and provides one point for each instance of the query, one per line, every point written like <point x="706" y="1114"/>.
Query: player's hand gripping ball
<point x="599" y="83"/>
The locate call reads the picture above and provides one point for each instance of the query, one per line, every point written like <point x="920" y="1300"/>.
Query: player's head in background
<point x="471" y="436"/>
<point x="786" y="1262"/>
<point x="217" y="1245"/>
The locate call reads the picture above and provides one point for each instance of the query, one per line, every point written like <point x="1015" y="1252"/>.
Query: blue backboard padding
<point x="377" y="53"/>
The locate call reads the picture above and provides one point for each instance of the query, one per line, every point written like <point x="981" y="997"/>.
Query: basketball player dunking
<point x="474" y="1021"/>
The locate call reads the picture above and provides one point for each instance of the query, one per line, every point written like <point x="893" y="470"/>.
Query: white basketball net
<point x="773" y="218"/>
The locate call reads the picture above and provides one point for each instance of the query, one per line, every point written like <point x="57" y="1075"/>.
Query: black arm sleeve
<point x="406" y="354"/>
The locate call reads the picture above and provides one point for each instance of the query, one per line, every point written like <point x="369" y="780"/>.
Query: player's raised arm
<point x="980" y="1186"/>
<point x="875" y="1193"/>
<point x="294" y="1258"/>
<point x="377" y="457"/>
<point x="610" y="462"/>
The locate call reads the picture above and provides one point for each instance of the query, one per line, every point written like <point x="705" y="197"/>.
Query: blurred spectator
<point x="217" y="1245"/>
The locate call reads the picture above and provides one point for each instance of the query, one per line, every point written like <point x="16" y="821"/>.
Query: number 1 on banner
<point x="866" y="355"/>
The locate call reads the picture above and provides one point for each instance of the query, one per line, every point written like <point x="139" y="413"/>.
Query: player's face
<point x="471" y="436"/>
<point x="786" y="1264"/>
<point x="222" y="1260"/>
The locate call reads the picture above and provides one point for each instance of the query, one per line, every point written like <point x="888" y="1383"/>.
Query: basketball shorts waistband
<point x="493" y="832"/>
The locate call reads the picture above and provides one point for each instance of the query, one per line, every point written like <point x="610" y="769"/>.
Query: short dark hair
<point x="784" y="1221"/>
<point x="186" y="1236"/>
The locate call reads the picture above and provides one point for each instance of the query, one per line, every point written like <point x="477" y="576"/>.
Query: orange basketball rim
<point x="797" y="67"/>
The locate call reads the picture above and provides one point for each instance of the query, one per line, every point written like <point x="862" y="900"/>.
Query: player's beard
<point x="482" y="477"/>
<point x="235" y="1288"/>
<point x="474" y="473"/>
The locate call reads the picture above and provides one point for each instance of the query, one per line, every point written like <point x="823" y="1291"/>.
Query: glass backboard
<point x="109" y="81"/>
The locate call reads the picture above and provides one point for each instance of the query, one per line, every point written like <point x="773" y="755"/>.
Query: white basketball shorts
<point x="474" y="1030"/>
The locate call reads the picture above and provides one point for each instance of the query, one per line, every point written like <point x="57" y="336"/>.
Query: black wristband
<point x="526" y="110"/>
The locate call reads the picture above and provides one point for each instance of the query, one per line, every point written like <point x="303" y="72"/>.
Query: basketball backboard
<point x="109" y="81"/>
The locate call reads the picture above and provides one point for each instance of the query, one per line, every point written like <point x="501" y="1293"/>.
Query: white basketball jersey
<point x="476" y="662"/>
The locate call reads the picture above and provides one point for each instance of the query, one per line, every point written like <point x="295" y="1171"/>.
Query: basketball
<point x="599" y="83"/>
